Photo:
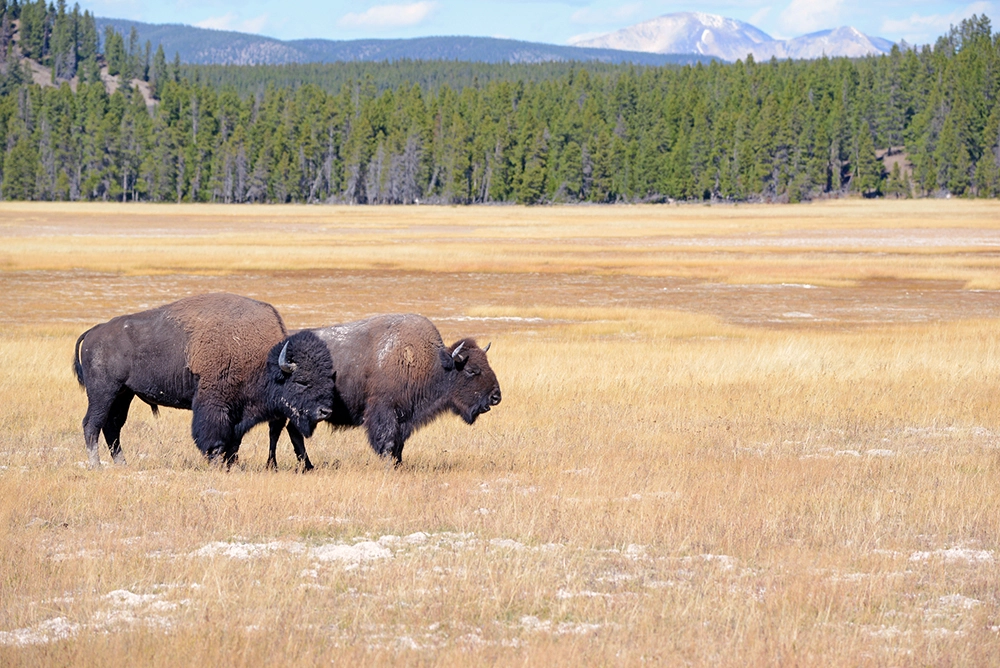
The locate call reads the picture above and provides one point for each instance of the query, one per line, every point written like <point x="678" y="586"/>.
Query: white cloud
<point x="389" y="16"/>
<point x="589" y="16"/>
<point x="230" y="21"/>
<point x="759" y="16"/>
<point x="805" y="16"/>
<point x="224" y="22"/>
<point x="255" y="24"/>
<point x="919" y="29"/>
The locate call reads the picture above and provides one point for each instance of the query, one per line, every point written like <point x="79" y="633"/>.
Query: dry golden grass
<point x="736" y="244"/>
<point x="729" y="436"/>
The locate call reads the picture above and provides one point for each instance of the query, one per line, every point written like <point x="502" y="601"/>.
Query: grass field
<point x="730" y="435"/>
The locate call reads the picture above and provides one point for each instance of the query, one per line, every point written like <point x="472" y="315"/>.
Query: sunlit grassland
<point x="659" y="484"/>
<point x="690" y="241"/>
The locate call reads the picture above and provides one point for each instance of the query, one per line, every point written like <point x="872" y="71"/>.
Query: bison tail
<point x="77" y="363"/>
<point x="153" y="407"/>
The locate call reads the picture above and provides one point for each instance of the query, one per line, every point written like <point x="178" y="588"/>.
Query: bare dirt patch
<point x="316" y="298"/>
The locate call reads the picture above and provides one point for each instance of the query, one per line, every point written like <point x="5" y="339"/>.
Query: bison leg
<point x="231" y="453"/>
<point x="113" y="423"/>
<point x="274" y="428"/>
<point x="212" y="431"/>
<point x="385" y="434"/>
<point x="91" y="432"/>
<point x="299" y="445"/>
<point x="397" y="452"/>
<point x="99" y="404"/>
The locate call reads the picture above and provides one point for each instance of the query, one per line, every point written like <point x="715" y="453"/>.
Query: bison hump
<point x="408" y="346"/>
<point x="228" y="335"/>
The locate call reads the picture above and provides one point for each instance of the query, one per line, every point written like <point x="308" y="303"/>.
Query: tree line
<point x="468" y="133"/>
<point x="385" y="75"/>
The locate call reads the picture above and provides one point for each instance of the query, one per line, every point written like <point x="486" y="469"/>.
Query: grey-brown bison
<point x="394" y="374"/>
<point x="227" y="358"/>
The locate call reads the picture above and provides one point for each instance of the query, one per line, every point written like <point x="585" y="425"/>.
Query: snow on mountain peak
<point x="713" y="20"/>
<point x="730" y="39"/>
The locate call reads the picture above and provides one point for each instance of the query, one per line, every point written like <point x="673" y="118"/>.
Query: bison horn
<point x="283" y="363"/>
<point x="454" y="353"/>
<point x="487" y="346"/>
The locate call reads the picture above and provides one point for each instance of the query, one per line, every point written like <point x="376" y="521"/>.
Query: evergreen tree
<point x="33" y="30"/>
<point x="987" y="176"/>
<point x="64" y="43"/>
<point x="12" y="74"/>
<point x="158" y="71"/>
<point x="87" y="48"/>
<point x="20" y="167"/>
<point x="114" y="53"/>
<point x="897" y="186"/>
<point x="866" y="170"/>
<point x="133" y="66"/>
<point x="951" y="159"/>
<point x="6" y="33"/>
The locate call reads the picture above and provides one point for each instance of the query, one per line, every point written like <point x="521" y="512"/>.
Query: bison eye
<point x="301" y="383"/>
<point x="471" y="373"/>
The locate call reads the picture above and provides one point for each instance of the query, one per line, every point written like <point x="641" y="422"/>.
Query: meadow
<point x="730" y="435"/>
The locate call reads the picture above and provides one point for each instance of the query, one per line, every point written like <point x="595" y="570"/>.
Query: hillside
<point x="201" y="46"/>
<point x="42" y="75"/>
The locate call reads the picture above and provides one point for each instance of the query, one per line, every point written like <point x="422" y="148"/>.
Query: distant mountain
<point x="844" y="41"/>
<point x="202" y="46"/>
<point x="477" y="49"/>
<point x="687" y="32"/>
<point x="729" y="39"/>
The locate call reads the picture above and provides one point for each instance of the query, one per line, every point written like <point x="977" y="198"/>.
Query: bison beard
<point x="394" y="374"/>
<point x="225" y="357"/>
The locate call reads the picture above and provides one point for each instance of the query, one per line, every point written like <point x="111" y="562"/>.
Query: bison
<point x="227" y="358"/>
<point x="394" y="374"/>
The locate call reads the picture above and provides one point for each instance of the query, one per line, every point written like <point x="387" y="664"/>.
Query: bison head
<point x="475" y="389"/>
<point x="302" y="380"/>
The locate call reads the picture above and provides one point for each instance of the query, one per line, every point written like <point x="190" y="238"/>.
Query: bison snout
<point x="495" y="397"/>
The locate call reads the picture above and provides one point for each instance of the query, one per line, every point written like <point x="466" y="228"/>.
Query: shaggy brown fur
<point x="251" y="329"/>
<point x="406" y="355"/>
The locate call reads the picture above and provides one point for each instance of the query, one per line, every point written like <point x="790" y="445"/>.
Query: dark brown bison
<point x="227" y="358"/>
<point x="394" y="374"/>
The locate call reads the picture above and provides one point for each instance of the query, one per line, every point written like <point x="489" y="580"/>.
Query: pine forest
<point x="112" y="119"/>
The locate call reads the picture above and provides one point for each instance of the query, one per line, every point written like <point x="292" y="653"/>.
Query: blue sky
<point x="552" y="21"/>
